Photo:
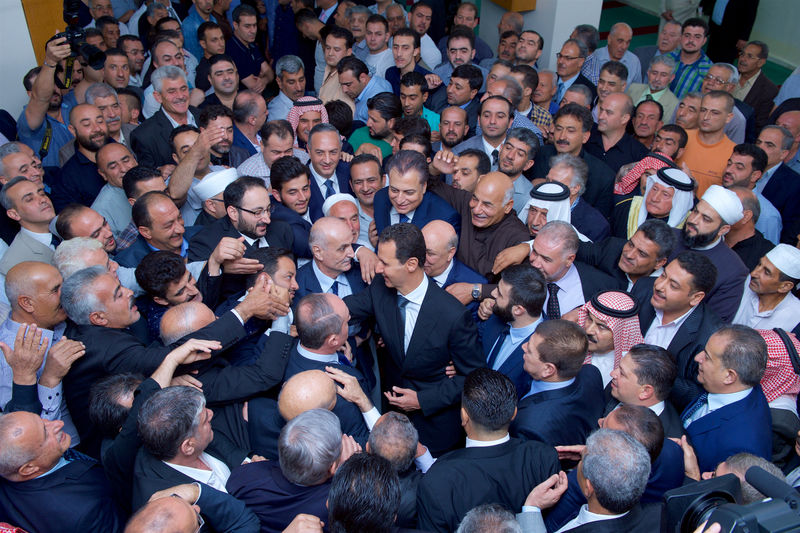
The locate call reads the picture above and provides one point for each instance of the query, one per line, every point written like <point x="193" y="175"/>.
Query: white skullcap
<point x="335" y="199"/>
<point x="725" y="203"/>
<point x="786" y="258"/>
<point x="214" y="183"/>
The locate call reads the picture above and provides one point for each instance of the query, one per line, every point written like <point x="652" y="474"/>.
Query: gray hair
<point x="618" y="467"/>
<point x="309" y="444"/>
<point x="167" y="72"/>
<point x="316" y="320"/>
<point x="580" y="170"/>
<point x="528" y="137"/>
<point x="786" y="141"/>
<point x="583" y="90"/>
<point x="489" y="518"/>
<point x="323" y="127"/>
<point x="100" y="90"/>
<point x="13" y="453"/>
<point x="169" y="417"/>
<point x="583" y="50"/>
<point x="70" y="254"/>
<point x="745" y="352"/>
<point x="513" y="91"/>
<point x="151" y="9"/>
<point x="619" y="25"/>
<point x="357" y="10"/>
<point x="395" y="439"/>
<point x="77" y="297"/>
<point x="740" y="463"/>
<point x="288" y="63"/>
<point x="554" y="76"/>
<point x="563" y="233"/>
<point x="734" y="78"/>
<point x="664" y="59"/>
<point x="6" y="150"/>
<point x="5" y="200"/>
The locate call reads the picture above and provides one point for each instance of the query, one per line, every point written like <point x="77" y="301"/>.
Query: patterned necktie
<point x="403" y="218"/>
<point x="495" y="158"/>
<point x="329" y="190"/>
<point x="553" y="310"/>
<point x="497" y="345"/>
<point x="648" y="97"/>
<point x="691" y="410"/>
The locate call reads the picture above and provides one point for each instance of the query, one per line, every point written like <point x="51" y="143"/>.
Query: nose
<point x="379" y="267"/>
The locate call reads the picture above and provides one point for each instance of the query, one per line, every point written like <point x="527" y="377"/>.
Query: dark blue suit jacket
<point x="133" y="254"/>
<point x="783" y="190"/>
<point x="461" y="273"/>
<point x="723" y="433"/>
<point x="564" y="416"/>
<point x="590" y="221"/>
<point x="318" y="196"/>
<point x="432" y="208"/>
<point x="300" y="228"/>
<point x="241" y="141"/>
<point x="489" y="332"/>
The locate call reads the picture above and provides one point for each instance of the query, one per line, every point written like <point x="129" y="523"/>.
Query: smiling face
<point x="166" y="229"/>
<point x="405" y="190"/>
<point x="365" y="180"/>
<point x="119" y="305"/>
<point x="89" y="127"/>
<point x="672" y="291"/>
<point x="486" y="205"/>
<point x="22" y="164"/>
<point x="609" y="83"/>
<point x="295" y="194"/>
<point x="323" y="150"/>
<point x="174" y="96"/>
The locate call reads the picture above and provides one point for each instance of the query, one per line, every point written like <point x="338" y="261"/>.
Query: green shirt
<point x="432" y="118"/>
<point x="361" y="136"/>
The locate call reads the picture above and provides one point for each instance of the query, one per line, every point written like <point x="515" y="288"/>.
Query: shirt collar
<point x="417" y="295"/>
<point x="367" y="89"/>
<point x="658" y="408"/>
<point x="677" y="322"/>
<point x="716" y="401"/>
<point x="488" y="148"/>
<point x="486" y="443"/>
<point x="184" y="247"/>
<point x="520" y="334"/>
<point x="44" y="238"/>
<point x="189" y="119"/>
<point x="543" y="386"/>
<point x="331" y="358"/>
<point x="442" y="278"/>
<point x="326" y="281"/>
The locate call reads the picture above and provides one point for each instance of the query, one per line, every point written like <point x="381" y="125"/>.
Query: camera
<point x="76" y="37"/>
<point x="715" y="499"/>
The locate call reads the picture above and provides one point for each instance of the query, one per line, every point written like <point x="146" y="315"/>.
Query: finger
<point x="8" y="353"/>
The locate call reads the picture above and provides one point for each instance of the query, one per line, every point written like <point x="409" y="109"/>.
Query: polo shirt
<point x="247" y="57"/>
<point x="375" y="85"/>
<point x="79" y="182"/>
<point x="689" y="77"/>
<point x="33" y="138"/>
<point x="361" y="136"/>
<point x="627" y="150"/>
<point x="393" y="76"/>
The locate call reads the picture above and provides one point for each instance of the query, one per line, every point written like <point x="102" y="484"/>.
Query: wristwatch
<point x="476" y="291"/>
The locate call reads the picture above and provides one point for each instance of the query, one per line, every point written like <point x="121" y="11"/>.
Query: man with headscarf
<point x="573" y="172"/>
<point x="549" y="201"/>
<point x="669" y="195"/>
<point x="708" y="222"/>
<point x="307" y="112"/>
<point x="611" y="322"/>
<point x="768" y="301"/>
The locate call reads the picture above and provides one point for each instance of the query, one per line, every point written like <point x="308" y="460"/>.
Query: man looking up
<point x="658" y="77"/>
<point x="529" y="48"/>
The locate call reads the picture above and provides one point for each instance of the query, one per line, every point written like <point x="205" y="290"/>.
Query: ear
<point x="679" y="153"/>
<point x="514" y="415"/>
<point x="131" y="201"/>
<point x="724" y="229"/>
<point x="528" y="165"/>
<point x="731" y="376"/>
<point x="570" y="260"/>
<point x="549" y="370"/>
<point x="72" y="130"/>
<point x="472" y="57"/>
<point x="187" y="446"/>
<point x="589" y="488"/>
<point x="233" y="214"/>
<point x="98" y="318"/>
<point x="696" y="298"/>
<point x="316" y="251"/>
<point x="451" y="254"/>
<point x="472" y="93"/>
<point x="509" y="206"/>
<point x="26" y="303"/>
<point x="755" y="176"/>
<point x="730" y="117"/>
<point x="586" y="137"/>
<point x="785" y="287"/>
<point x="412" y="264"/>
<point x="160" y="301"/>
<point x="145" y="232"/>
<point x="135" y="115"/>
<point x="646" y="391"/>
<point x="464" y="417"/>
<point x="157" y="96"/>
<point x="27" y="470"/>
<point x="661" y="262"/>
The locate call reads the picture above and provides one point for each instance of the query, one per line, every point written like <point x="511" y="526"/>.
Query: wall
<point x="776" y="25"/>
<point x="18" y="56"/>
<point x="553" y="19"/>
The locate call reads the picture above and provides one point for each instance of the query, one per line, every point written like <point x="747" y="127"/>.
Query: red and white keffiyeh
<point x="780" y="377"/>
<point x="632" y="179"/>
<point x="618" y="310"/>
<point x="303" y="105"/>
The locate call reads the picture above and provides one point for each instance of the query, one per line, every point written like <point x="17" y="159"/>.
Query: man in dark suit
<point x="565" y="397"/>
<point x="645" y="376"/>
<point x="329" y="175"/>
<point x="310" y="448"/>
<point x="572" y="128"/>
<point x="75" y="490"/>
<point x="729" y="25"/>
<point x="759" y="93"/>
<point x="780" y="184"/>
<point x="423" y="328"/>
<point x="568" y="67"/>
<point x="291" y="190"/>
<point x="407" y="199"/>
<point x="730" y="371"/>
<point x="628" y="261"/>
<point x="150" y="141"/>
<point x="672" y="315"/>
<point x="494" y="468"/>
<point x="462" y="92"/>
<point x="511" y="316"/>
<point x="495" y="116"/>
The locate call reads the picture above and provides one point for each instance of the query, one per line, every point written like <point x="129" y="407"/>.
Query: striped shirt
<point x="689" y="78"/>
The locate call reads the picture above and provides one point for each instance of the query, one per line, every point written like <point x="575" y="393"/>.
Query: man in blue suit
<point x="407" y="199"/>
<point x="329" y="175"/>
<point x="730" y="370"/>
<point x="566" y="396"/>
<point x="780" y="184"/>
<point x="516" y="311"/>
<point x="291" y="189"/>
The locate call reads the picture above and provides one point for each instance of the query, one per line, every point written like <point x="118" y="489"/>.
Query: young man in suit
<point x="780" y="184"/>
<point x="329" y="175"/>
<point x="563" y="403"/>
<point x="291" y="190"/>
<point x="26" y="202"/>
<point x="514" y="311"/>
<point x="493" y="467"/>
<point x="423" y="329"/>
<point x="730" y="369"/>
<point x="494" y="118"/>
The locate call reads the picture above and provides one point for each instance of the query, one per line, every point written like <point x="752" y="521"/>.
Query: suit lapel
<point x="687" y="332"/>
<point x="35" y="247"/>
<point x="426" y="321"/>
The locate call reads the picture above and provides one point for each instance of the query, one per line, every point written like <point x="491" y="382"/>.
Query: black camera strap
<point x="46" y="140"/>
<point x="793" y="355"/>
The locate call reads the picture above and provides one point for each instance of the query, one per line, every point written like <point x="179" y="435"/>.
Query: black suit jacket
<point x="300" y="228"/>
<point x="342" y="174"/>
<point x="589" y="221"/>
<point x="150" y="140"/>
<point x="605" y="255"/>
<point x="444" y="331"/>
<point x="563" y="416"/>
<point x="592" y="281"/>
<point x="689" y="340"/>
<point x="463" y="479"/>
<point x="409" y="482"/>
<point x="670" y="419"/>
<point x="75" y="498"/>
<point x="783" y="190"/>
<point x="432" y="207"/>
<point x="760" y="97"/>
<point x="638" y="520"/>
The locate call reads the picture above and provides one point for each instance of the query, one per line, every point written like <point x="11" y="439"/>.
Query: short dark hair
<point x="364" y="495"/>
<point x="158" y="270"/>
<point x="616" y="68"/>
<point x="183" y="128"/>
<point x="269" y="257"/>
<point x="286" y="169"/>
<point x="530" y="78"/>
<point x="104" y="21"/>
<point x="642" y="424"/>
<point x="405" y="161"/>
<point x="316" y="320"/>
<point x="235" y="191"/>
<point x="169" y="417"/>
<point x="340" y="116"/>
<point x="411" y="126"/>
<point x="387" y="105"/>
<point x="105" y="408"/>
<point x="700" y="267"/>
<point x="745" y="352"/>
<point x="405" y="31"/>
<point x="763" y="52"/>
<point x="661" y="233"/>
<point x="340" y="33"/>
<point x="204" y="27"/>
<point x="280" y="128"/>
<point x="528" y="287"/>
<point x="489" y="398"/>
<point x="217" y="58"/>
<point x="484" y="163"/>
<point x="163" y="20"/>
<point x="353" y="64"/>
<point x="243" y="10"/>
<point x="580" y="113"/>
<point x="462" y="32"/>
<point x="471" y="73"/>
<point x="589" y="35"/>
<point x="66" y="217"/>
<point x="418" y="138"/>
<point x="414" y="78"/>
<point x="378" y="19"/>
<point x="134" y="101"/>
<point x="657" y="104"/>
<point x="758" y="155"/>
<point x="305" y="15"/>
<point x="213" y="112"/>
<point x="564" y="345"/>
<point x="407" y="238"/>
<point x="135" y="176"/>
<point x="118" y="52"/>
<point x="536" y="33"/>
<point x="361" y="159"/>
<point x="501" y="98"/>
<point x="695" y="22"/>
<point x="127" y="38"/>
<point x="421" y="3"/>
<point x="655" y="366"/>
<point x="683" y="137"/>
<point x="140" y="212"/>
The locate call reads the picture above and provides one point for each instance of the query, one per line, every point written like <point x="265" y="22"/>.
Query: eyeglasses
<point x="257" y="212"/>
<point x="715" y="79"/>
<point x="568" y="58"/>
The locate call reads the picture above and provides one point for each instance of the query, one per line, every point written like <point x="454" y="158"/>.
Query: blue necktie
<point x="403" y="218"/>
<point x="335" y="288"/>
<point x="343" y="360"/>
<point x="559" y="92"/>
<point x="402" y="302"/>
<point x="497" y="345"/>
<point x="329" y="190"/>
<point x="691" y="410"/>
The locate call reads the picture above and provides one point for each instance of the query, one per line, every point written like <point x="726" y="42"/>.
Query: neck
<point x="670" y="316"/>
<point x="647" y="141"/>
<point x="495" y="142"/>
<point x="378" y="51"/>
<point x="331" y="273"/>
<point x="523" y="321"/>
<point x="23" y="317"/>
<point x="737" y="235"/>
<point x="203" y="15"/>
<point x="408" y="68"/>
<point x="596" y="508"/>
<point x="744" y="77"/>
<point x="368" y="209"/>
<point x="766" y="302"/>
<point x="544" y="104"/>
<point x="710" y="137"/>
<point x="249" y="131"/>
<point x="91" y="156"/>
<point x="55" y="114"/>
<point x="791" y="154"/>
<point x="610" y="138"/>
<point x="484" y="435"/>
<point x="36" y="227"/>
<point x="182" y="118"/>
<point x="227" y="99"/>
<point x="412" y="282"/>
<point x="321" y="350"/>
<point x="192" y="461"/>
<point x="524" y="105"/>
<point x="689" y="57"/>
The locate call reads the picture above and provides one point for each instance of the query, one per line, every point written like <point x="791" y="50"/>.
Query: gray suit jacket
<point x="24" y="248"/>
<point x="668" y="101"/>
<point x="68" y="150"/>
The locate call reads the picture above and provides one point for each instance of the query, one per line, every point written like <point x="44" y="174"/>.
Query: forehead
<point x="186" y="138"/>
<point x="255" y="194"/>
<point x="17" y="159"/>
<point x="570" y="49"/>
<point x="113" y="151"/>
<point x="691" y="101"/>
<point x="647" y="107"/>
<point x="163" y="207"/>
<point x="424" y="11"/>
<point x="468" y="160"/>
<point x="454" y="114"/>
<point x="325" y="139"/>
<point x="166" y="47"/>
<point x="668" y="135"/>
<point x="344" y="208"/>
<point x="720" y="72"/>
<point x="408" y="178"/>
<point x="222" y="65"/>
<point x="22" y="188"/>
<point x="87" y="112"/>
<point x="459" y="42"/>
<point x="404" y="39"/>
<point x="286" y="265"/>
<point x="495" y="105"/>
<point x="713" y="102"/>
<point x="606" y="75"/>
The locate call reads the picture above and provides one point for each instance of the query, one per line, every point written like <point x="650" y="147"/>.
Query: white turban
<point x="786" y="258"/>
<point x="214" y="183"/>
<point x="725" y="203"/>
<point x="682" y="200"/>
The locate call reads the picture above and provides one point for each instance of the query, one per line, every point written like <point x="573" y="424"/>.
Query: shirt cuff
<point x="50" y="398"/>
<point x="237" y="316"/>
<point x="371" y="417"/>
<point x="424" y="461"/>
<point x="531" y="509"/>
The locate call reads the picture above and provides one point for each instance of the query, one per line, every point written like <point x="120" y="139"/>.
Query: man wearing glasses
<point x="568" y="67"/>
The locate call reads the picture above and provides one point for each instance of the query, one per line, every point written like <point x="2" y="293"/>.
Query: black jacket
<point x="150" y="140"/>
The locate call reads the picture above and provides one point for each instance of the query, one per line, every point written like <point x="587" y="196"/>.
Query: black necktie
<point x="553" y="310"/>
<point x="335" y="288"/>
<point x="495" y="157"/>
<point x="54" y="241"/>
<point x="648" y="97"/>
<point x="497" y="345"/>
<point x="329" y="190"/>
<point x="402" y="302"/>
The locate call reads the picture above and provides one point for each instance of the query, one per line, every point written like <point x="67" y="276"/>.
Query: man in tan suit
<point x="27" y="203"/>
<point x="659" y="76"/>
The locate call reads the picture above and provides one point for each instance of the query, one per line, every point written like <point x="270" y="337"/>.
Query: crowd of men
<point x="330" y="267"/>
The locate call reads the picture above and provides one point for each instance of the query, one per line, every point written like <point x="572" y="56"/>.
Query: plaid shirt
<point x="689" y="78"/>
<point x="127" y="236"/>
<point x="541" y="117"/>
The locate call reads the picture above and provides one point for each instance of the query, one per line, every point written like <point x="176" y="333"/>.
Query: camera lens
<point x="700" y="509"/>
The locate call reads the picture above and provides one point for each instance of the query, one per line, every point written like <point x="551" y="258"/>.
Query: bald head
<point x="494" y="194"/>
<point x="312" y="389"/>
<point x="441" y="242"/>
<point x="510" y="21"/>
<point x="327" y="229"/>
<point x="164" y="515"/>
<point x="184" y="319"/>
<point x="34" y="292"/>
<point x="791" y="121"/>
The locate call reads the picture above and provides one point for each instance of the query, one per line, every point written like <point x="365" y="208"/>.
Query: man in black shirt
<point x="609" y="141"/>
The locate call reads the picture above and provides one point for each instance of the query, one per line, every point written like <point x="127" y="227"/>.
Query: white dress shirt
<point x="717" y="401"/>
<point x="604" y="362"/>
<point x="326" y="282"/>
<point x="486" y="443"/>
<point x="442" y="278"/>
<point x="44" y="238"/>
<point x="662" y="334"/>
<point x="570" y="291"/>
<point x="394" y="216"/>
<point x="320" y="181"/>
<point x="785" y="315"/>
<point x="415" y="299"/>
<point x="215" y="478"/>
<point x="585" y="516"/>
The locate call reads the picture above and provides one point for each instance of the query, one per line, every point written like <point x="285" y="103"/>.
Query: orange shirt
<point x="706" y="161"/>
